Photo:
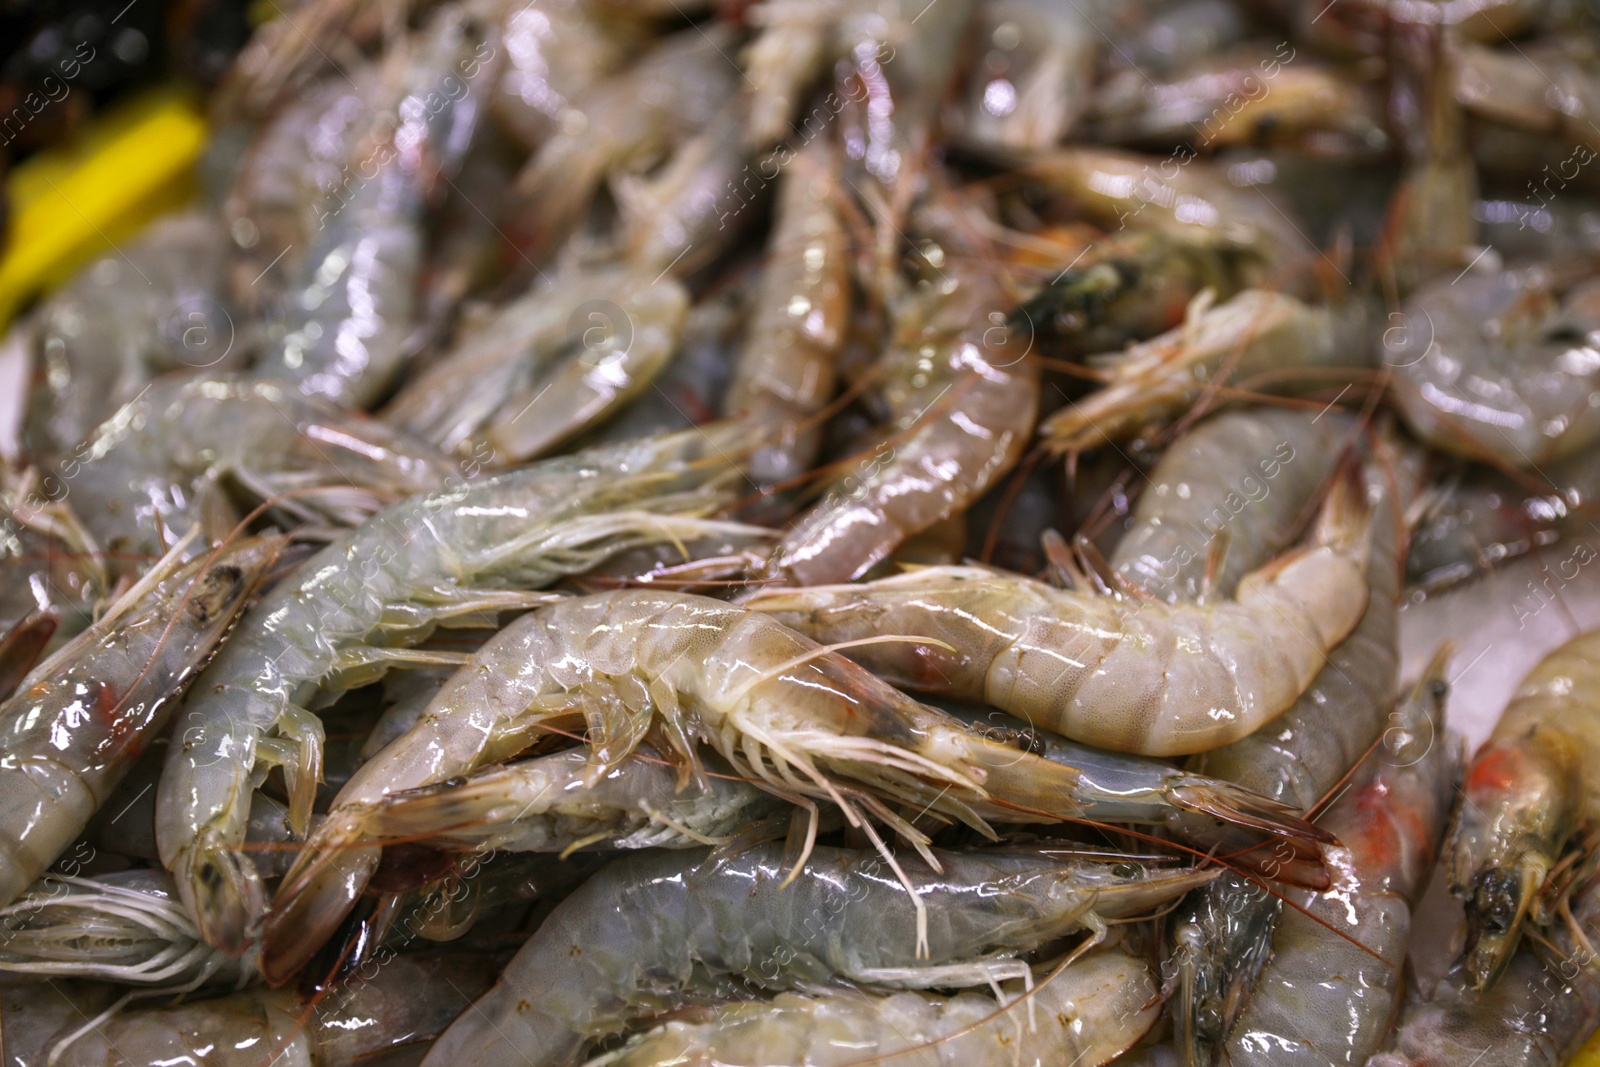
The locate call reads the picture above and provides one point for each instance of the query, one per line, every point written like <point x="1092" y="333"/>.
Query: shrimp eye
<point x="1439" y="689"/>
<point x="1125" y="870"/>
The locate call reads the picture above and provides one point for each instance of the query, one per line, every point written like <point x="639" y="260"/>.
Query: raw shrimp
<point x="161" y="464"/>
<point x="631" y="938"/>
<point x="1334" y="980"/>
<point x="1297" y="759"/>
<point x="1477" y="519"/>
<point x="1501" y="363"/>
<point x="691" y="389"/>
<point x="610" y="366"/>
<point x="1033" y="77"/>
<point x="408" y="1000"/>
<point x="785" y="371"/>
<point x="1234" y="98"/>
<point x="1539" y="1014"/>
<point x="126" y="928"/>
<point x="553" y="804"/>
<point x="154" y="306"/>
<point x="1534" y="782"/>
<point x="1087" y="1015"/>
<point x="1263" y="462"/>
<point x="621" y="124"/>
<point x="1546" y="87"/>
<point x="511" y="350"/>
<point x="688" y="213"/>
<point x="794" y="42"/>
<point x="1128" y="287"/>
<point x="84" y="715"/>
<point x="556" y="51"/>
<point x="1151" y="383"/>
<point x="800" y="721"/>
<point x="961" y="396"/>
<point x="1131" y="675"/>
<point x="352" y="305"/>
<point x="274" y="206"/>
<point x="897" y="69"/>
<point x="458" y="553"/>
<point x="1430" y="225"/>
<point x="1187" y="200"/>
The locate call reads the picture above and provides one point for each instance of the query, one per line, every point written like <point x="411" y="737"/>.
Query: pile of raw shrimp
<point x="816" y="534"/>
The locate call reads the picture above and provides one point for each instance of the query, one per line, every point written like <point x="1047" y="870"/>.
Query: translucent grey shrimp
<point x="621" y="124"/>
<point x="1542" y="1010"/>
<point x="84" y="715"/>
<point x="688" y="213"/>
<point x="794" y="42"/>
<point x="163" y="463"/>
<point x="1134" y="675"/>
<point x="1546" y="88"/>
<point x="274" y="204"/>
<point x="796" y="719"/>
<point x="1297" y="760"/>
<point x="1151" y="383"/>
<point x="547" y="366"/>
<point x="1476" y="519"/>
<point x="406" y="1001"/>
<point x="961" y="396"/>
<point x="690" y="391"/>
<point x="1249" y="94"/>
<point x="555" y="804"/>
<point x="1335" y="977"/>
<point x="1033" y="77"/>
<point x="896" y="72"/>
<point x="1190" y="201"/>
<point x="1430" y="226"/>
<point x="1086" y="1015"/>
<point x="154" y="306"/>
<point x="1129" y="287"/>
<point x="1261" y="465"/>
<point x="556" y="52"/>
<point x="1501" y="363"/>
<point x="785" y="371"/>
<point x="627" y="942"/>
<point x="459" y="553"/>
<point x="609" y="366"/>
<point x="1529" y="789"/>
<point x="351" y="307"/>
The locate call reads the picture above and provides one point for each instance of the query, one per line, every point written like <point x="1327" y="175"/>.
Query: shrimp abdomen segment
<point x="38" y="792"/>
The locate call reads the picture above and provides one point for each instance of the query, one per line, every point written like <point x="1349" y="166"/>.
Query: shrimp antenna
<point x="1208" y="857"/>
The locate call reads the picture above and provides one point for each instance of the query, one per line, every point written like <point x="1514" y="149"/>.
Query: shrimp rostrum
<point x="797" y="719"/>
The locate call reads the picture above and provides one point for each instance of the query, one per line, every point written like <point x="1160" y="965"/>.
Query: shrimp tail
<point x="1242" y="807"/>
<point x="222" y="891"/>
<point x="444" y="810"/>
<point x="316" y="895"/>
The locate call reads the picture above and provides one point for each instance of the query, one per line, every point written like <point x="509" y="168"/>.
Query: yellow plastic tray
<point x="76" y="201"/>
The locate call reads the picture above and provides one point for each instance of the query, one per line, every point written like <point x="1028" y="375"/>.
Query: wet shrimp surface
<point x="796" y="533"/>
